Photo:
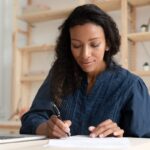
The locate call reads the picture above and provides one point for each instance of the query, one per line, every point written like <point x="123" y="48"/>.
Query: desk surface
<point x="136" y="144"/>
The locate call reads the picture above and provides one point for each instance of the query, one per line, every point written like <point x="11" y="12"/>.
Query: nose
<point x="86" y="52"/>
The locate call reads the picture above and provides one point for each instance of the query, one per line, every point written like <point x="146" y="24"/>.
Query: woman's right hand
<point x="54" y="128"/>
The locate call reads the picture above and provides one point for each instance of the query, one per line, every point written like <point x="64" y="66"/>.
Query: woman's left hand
<point x="106" y="128"/>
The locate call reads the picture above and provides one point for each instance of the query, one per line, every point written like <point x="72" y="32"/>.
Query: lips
<point x="86" y="63"/>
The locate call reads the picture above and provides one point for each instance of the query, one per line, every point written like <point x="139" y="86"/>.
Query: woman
<point x="95" y="96"/>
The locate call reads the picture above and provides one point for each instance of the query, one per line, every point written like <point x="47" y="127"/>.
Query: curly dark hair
<point x="66" y="75"/>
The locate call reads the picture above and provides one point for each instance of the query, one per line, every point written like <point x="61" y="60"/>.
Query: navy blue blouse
<point x="117" y="95"/>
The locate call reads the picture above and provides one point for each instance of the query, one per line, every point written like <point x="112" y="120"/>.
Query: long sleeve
<point x="136" y="115"/>
<point x="40" y="110"/>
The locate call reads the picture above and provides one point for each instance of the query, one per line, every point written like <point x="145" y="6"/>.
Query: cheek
<point x="100" y="54"/>
<point x="75" y="54"/>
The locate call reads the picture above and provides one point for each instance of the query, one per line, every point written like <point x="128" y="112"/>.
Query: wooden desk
<point x="136" y="144"/>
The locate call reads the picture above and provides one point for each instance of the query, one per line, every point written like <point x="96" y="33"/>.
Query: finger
<point x="104" y="126"/>
<point x="55" y="131"/>
<point x="113" y="131"/>
<point x="55" y="134"/>
<point x="60" y="123"/>
<point x="106" y="122"/>
<point x="119" y="133"/>
<point x="67" y="122"/>
<point x="54" y="127"/>
<point x="99" y="130"/>
<point x="91" y="128"/>
<point x="106" y="133"/>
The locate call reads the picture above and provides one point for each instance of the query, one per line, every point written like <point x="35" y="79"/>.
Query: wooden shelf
<point x="45" y="15"/>
<point x="34" y="77"/>
<point x="139" y="37"/>
<point x="10" y="127"/>
<point x="37" y="48"/>
<point x="139" y="2"/>
<point x="142" y="73"/>
<point x="108" y="5"/>
<point x="10" y="124"/>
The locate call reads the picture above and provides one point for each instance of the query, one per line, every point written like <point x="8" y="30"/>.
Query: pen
<point x="57" y="113"/>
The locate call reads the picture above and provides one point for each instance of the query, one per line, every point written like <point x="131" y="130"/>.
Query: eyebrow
<point x="88" y="40"/>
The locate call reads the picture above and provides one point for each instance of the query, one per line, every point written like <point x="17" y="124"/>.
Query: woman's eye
<point x="76" y="46"/>
<point x="95" y="45"/>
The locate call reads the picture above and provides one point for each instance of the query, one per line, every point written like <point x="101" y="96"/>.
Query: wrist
<point x="42" y="129"/>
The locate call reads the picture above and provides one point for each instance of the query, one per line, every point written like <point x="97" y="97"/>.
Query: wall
<point x="5" y="56"/>
<point x="1" y="59"/>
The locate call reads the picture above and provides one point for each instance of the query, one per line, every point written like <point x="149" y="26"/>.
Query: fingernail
<point x="92" y="135"/>
<point x="69" y="134"/>
<point x="101" y="135"/>
<point x="91" y="128"/>
<point x="67" y="130"/>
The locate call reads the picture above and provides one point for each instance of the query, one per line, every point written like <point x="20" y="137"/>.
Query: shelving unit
<point x="33" y="77"/>
<point x="45" y="15"/>
<point x="142" y="73"/>
<point x="21" y="76"/>
<point x="139" y="2"/>
<point x="135" y="37"/>
<point x="37" y="48"/>
<point x="21" y="61"/>
<point x="11" y="127"/>
<point x="108" y="5"/>
<point x="139" y="37"/>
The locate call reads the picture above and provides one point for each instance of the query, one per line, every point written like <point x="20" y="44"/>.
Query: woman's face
<point x="88" y="46"/>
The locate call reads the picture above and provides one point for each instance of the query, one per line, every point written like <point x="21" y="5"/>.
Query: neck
<point x="92" y="77"/>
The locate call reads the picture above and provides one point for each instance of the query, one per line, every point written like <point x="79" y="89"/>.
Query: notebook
<point x="11" y="138"/>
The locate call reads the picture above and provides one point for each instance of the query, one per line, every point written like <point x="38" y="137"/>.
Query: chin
<point x="88" y="70"/>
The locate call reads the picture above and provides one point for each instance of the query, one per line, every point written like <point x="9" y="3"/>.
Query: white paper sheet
<point x="87" y="142"/>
